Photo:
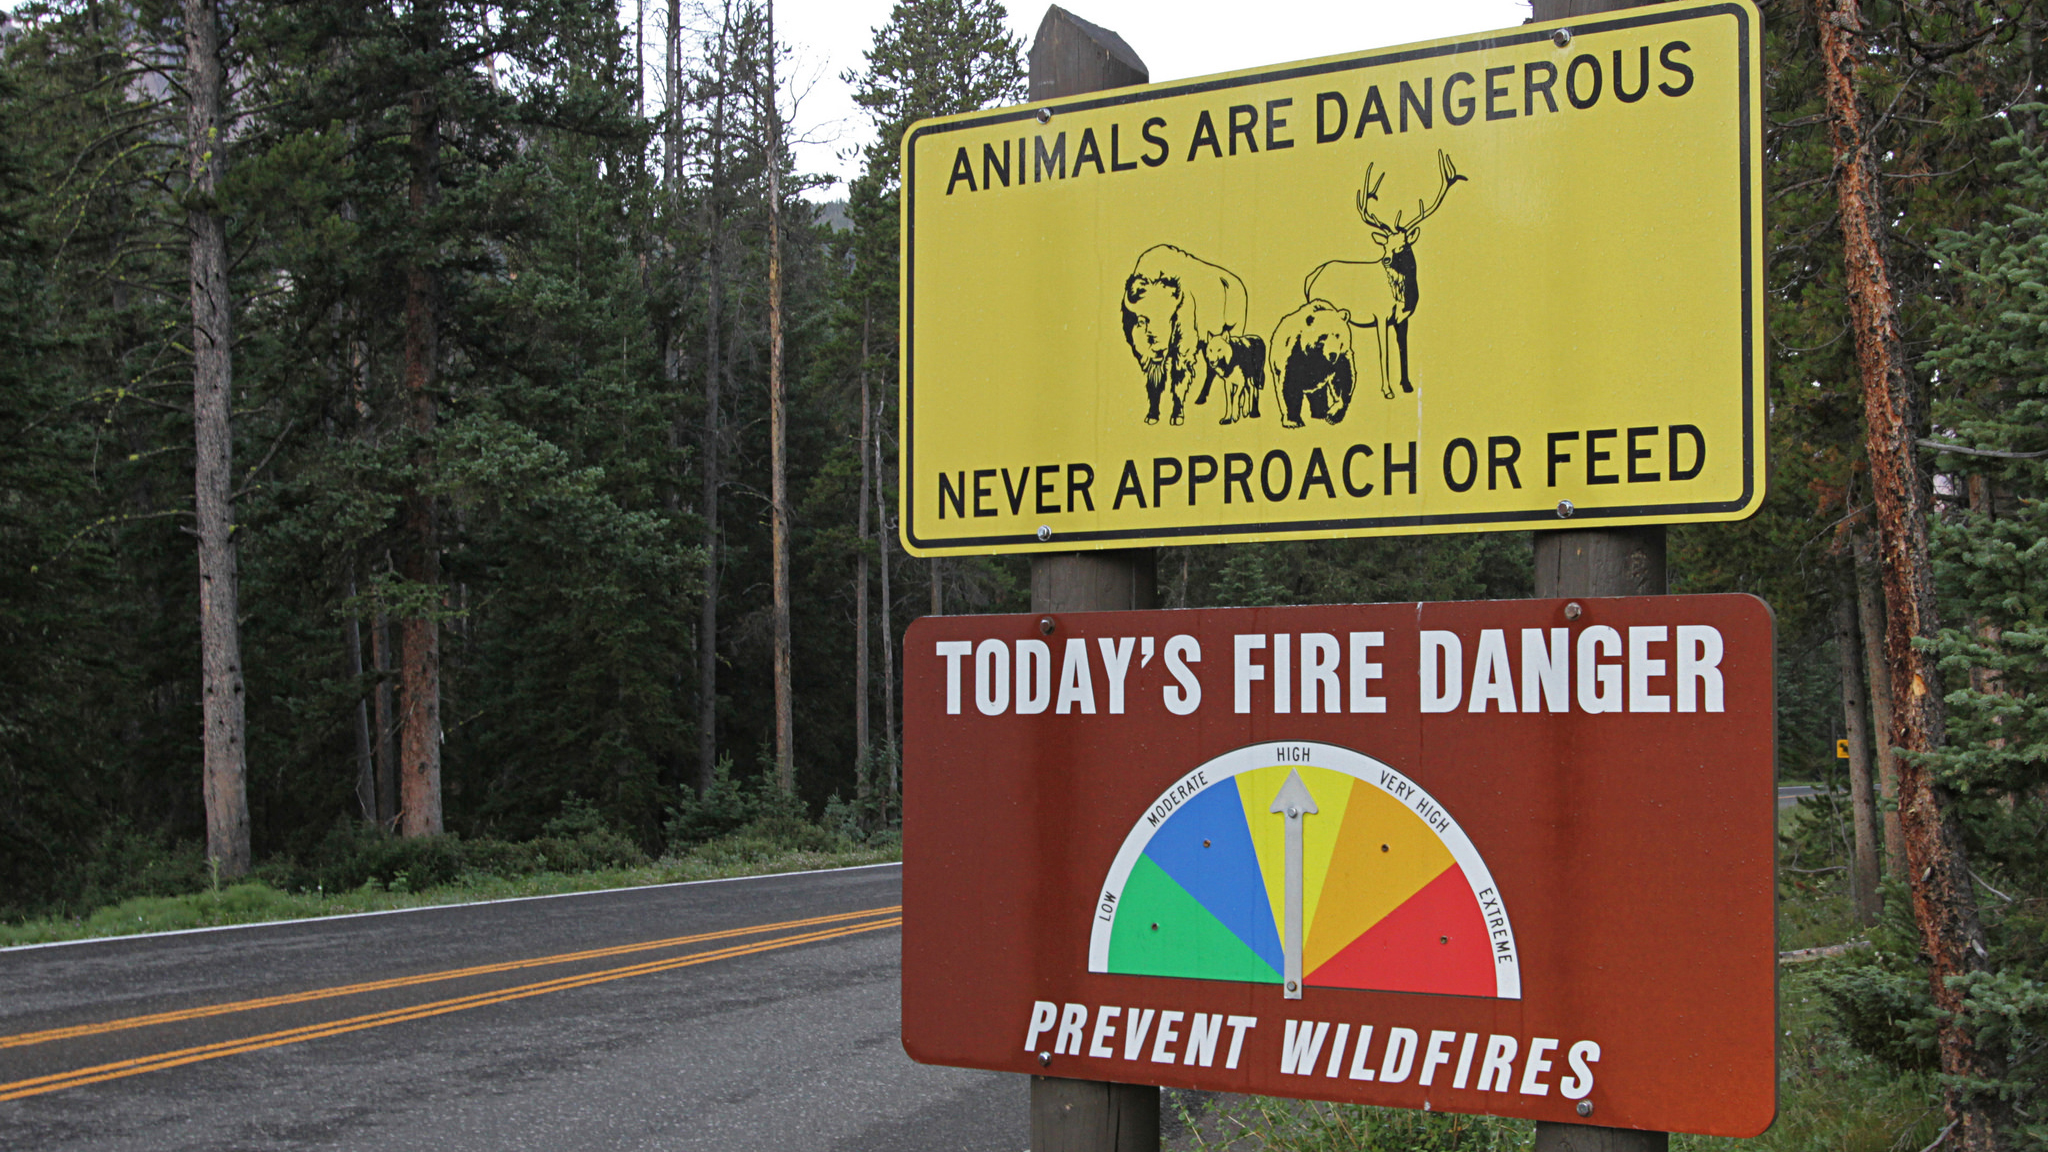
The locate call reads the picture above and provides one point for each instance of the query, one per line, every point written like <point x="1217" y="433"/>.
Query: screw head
<point x="1572" y="611"/>
<point x="1044" y="1058"/>
<point x="1562" y="37"/>
<point x="1044" y="532"/>
<point x="1585" y="1107"/>
<point x="1564" y="510"/>
<point x="1290" y="986"/>
<point x="1046" y="625"/>
<point x="1044" y="114"/>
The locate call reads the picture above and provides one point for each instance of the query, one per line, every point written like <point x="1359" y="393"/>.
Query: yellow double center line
<point x="828" y="928"/>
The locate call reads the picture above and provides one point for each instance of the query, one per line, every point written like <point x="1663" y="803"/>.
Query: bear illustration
<point x="1311" y="361"/>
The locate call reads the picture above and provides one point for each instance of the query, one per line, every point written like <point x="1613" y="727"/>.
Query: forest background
<point x="487" y="446"/>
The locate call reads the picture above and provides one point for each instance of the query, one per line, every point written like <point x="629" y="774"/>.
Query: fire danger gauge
<point x="1332" y="870"/>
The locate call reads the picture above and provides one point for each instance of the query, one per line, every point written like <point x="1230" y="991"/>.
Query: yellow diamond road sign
<point x="1475" y="284"/>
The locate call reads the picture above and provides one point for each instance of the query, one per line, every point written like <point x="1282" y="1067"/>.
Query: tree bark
<point x="1870" y="614"/>
<point x="778" y="435"/>
<point x="220" y="639"/>
<point x="1937" y="869"/>
<point x="882" y="544"/>
<point x="863" y="743"/>
<point x="714" y="369"/>
<point x="672" y="129"/>
<point x="1863" y="894"/>
<point x="420" y="634"/>
<point x="366" y="761"/>
<point x="386" y="716"/>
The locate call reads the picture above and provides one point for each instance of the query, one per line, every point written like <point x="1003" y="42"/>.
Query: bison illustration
<point x="1182" y="316"/>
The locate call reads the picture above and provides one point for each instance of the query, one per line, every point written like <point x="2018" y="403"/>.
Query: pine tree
<point x="929" y="59"/>
<point x="442" y="111"/>
<point x="1990" y="364"/>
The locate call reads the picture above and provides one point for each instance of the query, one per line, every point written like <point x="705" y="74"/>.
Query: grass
<point x="1258" y="1123"/>
<point x="254" y="903"/>
<point x="1832" y="1098"/>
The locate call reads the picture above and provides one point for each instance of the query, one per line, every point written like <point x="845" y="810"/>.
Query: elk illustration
<point x="1351" y="286"/>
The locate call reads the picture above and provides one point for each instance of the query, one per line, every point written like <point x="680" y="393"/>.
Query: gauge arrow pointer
<point x="1293" y="802"/>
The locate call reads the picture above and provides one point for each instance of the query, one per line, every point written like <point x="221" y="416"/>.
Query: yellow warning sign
<point x="1491" y="283"/>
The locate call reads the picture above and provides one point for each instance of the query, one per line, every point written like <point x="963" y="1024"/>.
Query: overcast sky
<point x="1176" y="40"/>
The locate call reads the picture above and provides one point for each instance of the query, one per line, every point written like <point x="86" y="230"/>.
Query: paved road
<point x="1791" y="794"/>
<point x="755" y="1014"/>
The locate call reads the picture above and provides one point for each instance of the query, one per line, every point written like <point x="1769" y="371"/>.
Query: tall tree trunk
<point x="420" y="635"/>
<point x="714" y="369"/>
<point x="1863" y="894"/>
<point x="882" y="542"/>
<point x="220" y="639"/>
<point x="1943" y="903"/>
<point x="672" y="130"/>
<point x="366" y="762"/>
<point x="863" y="743"/>
<point x="372" y="789"/>
<point x="386" y="716"/>
<point x="778" y="435"/>
<point x="1870" y="613"/>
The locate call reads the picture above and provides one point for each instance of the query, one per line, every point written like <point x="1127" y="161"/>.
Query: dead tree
<point x="1937" y="870"/>
<point x="778" y="430"/>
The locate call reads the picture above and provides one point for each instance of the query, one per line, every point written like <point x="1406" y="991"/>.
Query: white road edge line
<point x="438" y="907"/>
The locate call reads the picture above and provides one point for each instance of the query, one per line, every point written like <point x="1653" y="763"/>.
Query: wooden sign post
<point x="1597" y="562"/>
<point x="1070" y="56"/>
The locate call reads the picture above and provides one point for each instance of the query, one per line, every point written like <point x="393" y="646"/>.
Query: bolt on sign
<point x="1466" y="285"/>
<point x="1506" y="857"/>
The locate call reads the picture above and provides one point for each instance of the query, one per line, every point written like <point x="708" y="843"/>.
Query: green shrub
<point x="1884" y="1013"/>
<point x="730" y="806"/>
<point x="122" y="863"/>
<point x="354" y="854"/>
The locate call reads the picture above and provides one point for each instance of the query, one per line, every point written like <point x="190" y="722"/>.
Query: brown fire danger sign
<point x="1508" y="857"/>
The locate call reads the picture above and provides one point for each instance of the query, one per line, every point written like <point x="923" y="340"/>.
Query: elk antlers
<point x="1369" y="193"/>
<point x="1446" y="172"/>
